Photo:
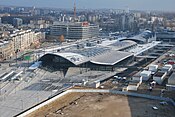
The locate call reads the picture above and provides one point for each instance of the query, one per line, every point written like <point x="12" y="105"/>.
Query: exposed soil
<point x="103" y="105"/>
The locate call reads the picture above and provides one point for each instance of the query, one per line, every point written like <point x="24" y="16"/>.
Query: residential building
<point x="23" y="39"/>
<point x="19" y="40"/>
<point x="6" y="50"/>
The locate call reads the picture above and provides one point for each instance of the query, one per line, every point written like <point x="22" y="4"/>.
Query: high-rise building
<point x="76" y="30"/>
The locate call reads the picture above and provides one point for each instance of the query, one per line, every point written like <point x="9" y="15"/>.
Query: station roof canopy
<point x="74" y="58"/>
<point x="111" y="58"/>
<point x="107" y="53"/>
<point x="119" y="45"/>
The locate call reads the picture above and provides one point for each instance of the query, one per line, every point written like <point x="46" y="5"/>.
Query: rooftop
<point x="3" y="43"/>
<point x="111" y="58"/>
<point x="90" y="52"/>
<point x="143" y="47"/>
<point x="119" y="45"/>
<point x="73" y="57"/>
<point x="146" y="72"/>
<point x="105" y="53"/>
<point x="82" y="24"/>
<point x="108" y="52"/>
<point x="159" y="74"/>
<point x="171" y="80"/>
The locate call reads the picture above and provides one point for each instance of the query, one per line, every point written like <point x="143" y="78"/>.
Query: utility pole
<point x="16" y="52"/>
<point x="16" y="59"/>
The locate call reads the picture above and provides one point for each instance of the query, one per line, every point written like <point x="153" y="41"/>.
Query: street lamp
<point x="16" y="52"/>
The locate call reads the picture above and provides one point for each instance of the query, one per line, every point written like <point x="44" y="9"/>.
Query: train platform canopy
<point x="122" y="45"/>
<point x="118" y="45"/>
<point x="111" y="58"/>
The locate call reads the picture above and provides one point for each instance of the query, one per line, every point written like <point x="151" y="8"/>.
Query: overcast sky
<point x="163" y="5"/>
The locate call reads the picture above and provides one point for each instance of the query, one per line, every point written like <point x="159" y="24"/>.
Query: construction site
<point x="103" y="105"/>
<point x="110" y="99"/>
<point x="122" y="66"/>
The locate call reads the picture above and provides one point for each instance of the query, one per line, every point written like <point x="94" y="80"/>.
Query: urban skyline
<point x="90" y="4"/>
<point x="104" y="58"/>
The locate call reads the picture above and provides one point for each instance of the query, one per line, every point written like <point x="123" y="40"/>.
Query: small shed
<point x="137" y="78"/>
<point x="145" y="75"/>
<point x="96" y="84"/>
<point x="133" y="86"/>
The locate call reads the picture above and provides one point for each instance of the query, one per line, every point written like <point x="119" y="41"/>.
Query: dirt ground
<point x="103" y="105"/>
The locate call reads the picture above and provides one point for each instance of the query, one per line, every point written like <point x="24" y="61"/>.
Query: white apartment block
<point x="23" y="39"/>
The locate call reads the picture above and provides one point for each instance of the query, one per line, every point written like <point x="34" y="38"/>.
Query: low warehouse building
<point x="171" y="82"/>
<point x="137" y="78"/>
<point x="153" y="68"/>
<point x="159" y="77"/>
<point x="167" y="68"/>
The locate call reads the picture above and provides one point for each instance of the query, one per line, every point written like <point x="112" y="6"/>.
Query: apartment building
<point x="23" y="39"/>
<point x="6" y="50"/>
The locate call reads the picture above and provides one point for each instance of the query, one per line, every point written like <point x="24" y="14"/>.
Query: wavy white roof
<point x="72" y="57"/>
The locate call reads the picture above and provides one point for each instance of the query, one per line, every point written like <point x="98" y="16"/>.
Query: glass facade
<point x="75" y="31"/>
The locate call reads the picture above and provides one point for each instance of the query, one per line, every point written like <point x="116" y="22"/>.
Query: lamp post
<point x="16" y="58"/>
<point x="16" y="52"/>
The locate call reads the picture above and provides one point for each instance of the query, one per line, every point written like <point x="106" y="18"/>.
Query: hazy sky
<point x="163" y="5"/>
